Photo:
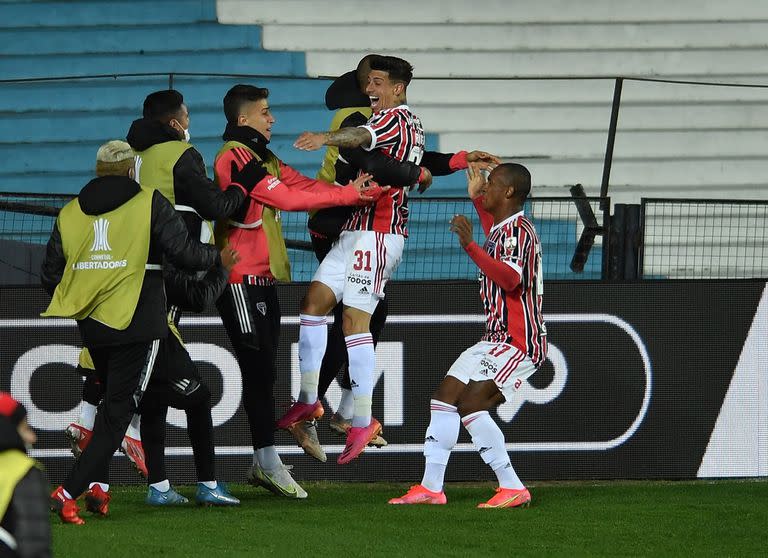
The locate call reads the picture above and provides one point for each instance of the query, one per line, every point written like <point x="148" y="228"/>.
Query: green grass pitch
<point x="605" y="518"/>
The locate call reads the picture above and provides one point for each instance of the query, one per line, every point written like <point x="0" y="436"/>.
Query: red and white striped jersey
<point x="397" y="132"/>
<point x="515" y="317"/>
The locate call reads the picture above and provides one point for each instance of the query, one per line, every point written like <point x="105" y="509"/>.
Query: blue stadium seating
<point x="50" y="130"/>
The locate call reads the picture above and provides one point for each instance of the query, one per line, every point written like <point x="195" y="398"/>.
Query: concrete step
<point x="108" y="12"/>
<point x="631" y="181"/>
<point x="70" y="182"/>
<point x="733" y="178"/>
<point x="137" y="39"/>
<point x="672" y="117"/>
<point x="81" y="156"/>
<point x="128" y="93"/>
<point x="516" y="36"/>
<point x="352" y="12"/>
<point x="239" y="61"/>
<point x="627" y="62"/>
<point x="205" y="123"/>
<point x="579" y="91"/>
<point x="629" y="144"/>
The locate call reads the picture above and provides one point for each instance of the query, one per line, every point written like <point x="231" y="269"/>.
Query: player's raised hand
<point x="486" y="160"/>
<point x="463" y="229"/>
<point x="310" y="141"/>
<point x="475" y="180"/>
<point x="229" y="257"/>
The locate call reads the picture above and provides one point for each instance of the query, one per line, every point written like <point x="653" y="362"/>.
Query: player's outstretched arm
<point x="280" y="194"/>
<point x="343" y="137"/>
<point x="486" y="160"/>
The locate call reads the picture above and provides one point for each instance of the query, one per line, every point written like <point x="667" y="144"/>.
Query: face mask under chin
<point x="186" y="135"/>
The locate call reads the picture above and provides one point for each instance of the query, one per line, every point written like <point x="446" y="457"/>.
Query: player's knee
<point x="355" y="321"/>
<point x="318" y="301"/>
<point x="349" y="327"/>
<point x="449" y="391"/>
<point x="201" y="396"/>
<point x="472" y="404"/>
<point x="189" y="392"/>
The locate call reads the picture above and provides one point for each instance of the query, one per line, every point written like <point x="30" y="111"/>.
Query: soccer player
<point x="347" y="96"/>
<point x="363" y="259"/>
<point x="513" y="347"/>
<point x="249" y="306"/>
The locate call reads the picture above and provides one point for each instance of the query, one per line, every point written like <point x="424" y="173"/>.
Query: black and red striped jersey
<point x="515" y="316"/>
<point x="398" y="133"/>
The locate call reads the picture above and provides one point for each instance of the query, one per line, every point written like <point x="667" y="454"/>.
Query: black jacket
<point x="27" y="517"/>
<point x="191" y="185"/>
<point x="169" y="239"/>
<point x="187" y="291"/>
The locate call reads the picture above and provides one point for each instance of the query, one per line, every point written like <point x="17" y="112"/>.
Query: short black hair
<point x="363" y="68"/>
<point x="163" y="105"/>
<point x="397" y="68"/>
<point x="240" y="94"/>
<point x="514" y="174"/>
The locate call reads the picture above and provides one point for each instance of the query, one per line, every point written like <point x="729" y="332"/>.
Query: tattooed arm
<point x="344" y="137"/>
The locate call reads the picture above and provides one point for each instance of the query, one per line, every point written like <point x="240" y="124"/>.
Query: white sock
<point x="507" y="477"/>
<point x="267" y="458"/>
<point x="313" y="339"/>
<point x="162" y="486"/>
<point x="347" y="404"/>
<point x="87" y="415"/>
<point x="362" y="360"/>
<point x="489" y="441"/>
<point x="134" y="429"/>
<point x="442" y="434"/>
<point x="104" y="486"/>
<point x="209" y="484"/>
<point x="67" y="495"/>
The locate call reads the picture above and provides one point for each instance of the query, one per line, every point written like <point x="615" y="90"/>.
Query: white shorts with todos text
<point x="359" y="265"/>
<point x="504" y="364"/>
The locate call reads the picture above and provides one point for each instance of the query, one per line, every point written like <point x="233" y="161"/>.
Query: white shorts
<point x="507" y="366"/>
<point x="359" y="265"/>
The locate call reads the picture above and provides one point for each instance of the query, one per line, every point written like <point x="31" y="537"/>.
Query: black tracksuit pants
<point x="176" y="383"/>
<point x="251" y="316"/>
<point x="124" y="371"/>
